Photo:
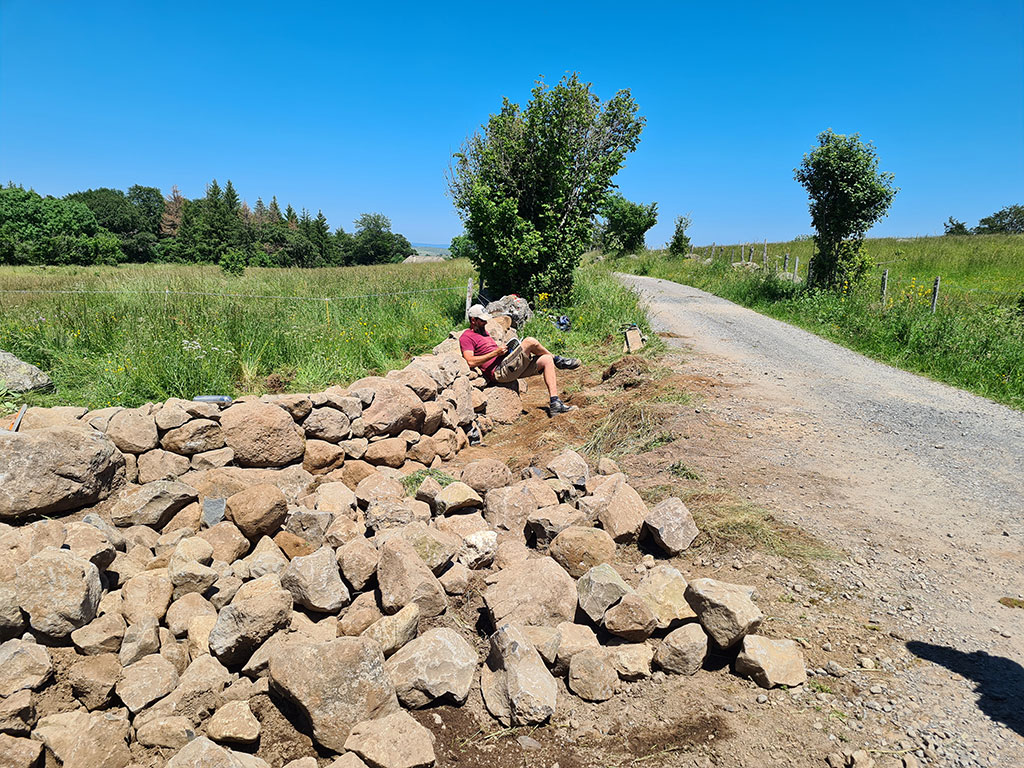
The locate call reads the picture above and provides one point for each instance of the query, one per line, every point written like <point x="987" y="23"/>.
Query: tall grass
<point x="975" y="340"/>
<point x="139" y="343"/>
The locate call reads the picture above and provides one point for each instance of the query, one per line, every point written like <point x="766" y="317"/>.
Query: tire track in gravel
<point x="924" y="482"/>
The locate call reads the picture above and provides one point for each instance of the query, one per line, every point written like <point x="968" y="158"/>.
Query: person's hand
<point x="501" y="350"/>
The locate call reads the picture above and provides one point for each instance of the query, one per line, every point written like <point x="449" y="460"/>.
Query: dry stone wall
<point x="197" y="557"/>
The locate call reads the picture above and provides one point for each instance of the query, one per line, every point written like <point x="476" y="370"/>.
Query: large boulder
<point x="59" y="591"/>
<point x="18" y="376"/>
<point x="20" y="753"/>
<point x="48" y="471"/>
<point x="507" y="509"/>
<point x="147" y="680"/>
<point x="393" y="407"/>
<point x="439" y="664"/>
<point x="485" y="475"/>
<point x="534" y="592"/>
<point x="203" y="753"/>
<point x="336" y="685"/>
<point x="725" y="610"/>
<point x="196" y="436"/>
<point x="770" y="662"/>
<point x="591" y="676"/>
<point x="503" y="405"/>
<point x="262" y="435"/>
<point x="683" y="650"/>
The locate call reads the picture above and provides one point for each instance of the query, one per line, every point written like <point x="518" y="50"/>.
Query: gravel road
<point x="922" y="483"/>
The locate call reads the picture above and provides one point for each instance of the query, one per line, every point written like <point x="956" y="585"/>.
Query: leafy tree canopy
<point x="624" y="224"/>
<point x="529" y="182"/>
<point x="848" y="196"/>
<point x="679" y="245"/>
<point x="955" y="227"/>
<point x="1008" y="220"/>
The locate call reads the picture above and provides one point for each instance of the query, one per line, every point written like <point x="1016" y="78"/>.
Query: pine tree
<point x="274" y="211"/>
<point x="259" y="213"/>
<point x="170" y="222"/>
<point x="291" y="217"/>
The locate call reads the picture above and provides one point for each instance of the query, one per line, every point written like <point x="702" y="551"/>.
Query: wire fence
<point x="168" y="293"/>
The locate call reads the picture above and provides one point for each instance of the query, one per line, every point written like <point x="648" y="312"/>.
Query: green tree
<point x="529" y="182"/>
<point x="375" y="243"/>
<point x="679" y="245"/>
<point x="848" y="196"/>
<point x="148" y="203"/>
<point x="111" y="208"/>
<point x="170" y="221"/>
<point x="624" y="224"/>
<point x="1009" y="220"/>
<point x="955" y="227"/>
<point x="462" y="248"/>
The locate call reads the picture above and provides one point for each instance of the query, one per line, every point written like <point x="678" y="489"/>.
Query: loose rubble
<point x="278" y="547"/>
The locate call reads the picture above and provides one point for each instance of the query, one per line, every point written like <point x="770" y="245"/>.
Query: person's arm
<point x="477" y="360"/>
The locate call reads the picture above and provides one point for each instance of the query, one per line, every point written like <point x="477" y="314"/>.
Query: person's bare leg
<point x="546" y="363"/>
<point x="533" y="347"/>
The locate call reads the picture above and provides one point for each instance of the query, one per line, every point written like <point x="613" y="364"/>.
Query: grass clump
<point x="413" y="480"/>
<point x="1011" y="602"/>
<point x="683" y="472"/>
<point x="975" y="340"/>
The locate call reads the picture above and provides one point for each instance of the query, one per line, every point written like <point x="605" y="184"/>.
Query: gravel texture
<point x="926" y="495"/>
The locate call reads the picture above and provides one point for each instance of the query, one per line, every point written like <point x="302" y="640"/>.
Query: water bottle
<point x="219" y="399"/>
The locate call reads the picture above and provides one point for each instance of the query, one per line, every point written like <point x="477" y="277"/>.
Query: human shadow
<point x="998" y="680"/>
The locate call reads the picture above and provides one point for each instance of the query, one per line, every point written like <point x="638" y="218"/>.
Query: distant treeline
<point x="109" y="226"/>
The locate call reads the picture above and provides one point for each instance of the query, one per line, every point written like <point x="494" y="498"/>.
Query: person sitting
<point x="504" y="363"/>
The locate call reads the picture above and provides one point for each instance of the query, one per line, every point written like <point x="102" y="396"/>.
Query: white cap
<point x="478" y="311"/>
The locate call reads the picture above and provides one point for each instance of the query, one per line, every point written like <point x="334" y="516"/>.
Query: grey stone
<point x="315" y="583"/>
<point x="725" y="610"/>
<point x="671" y="526"/>
<point x="213" y="511"/>
<point x="24" y="665"/>
<point x="393" y="741"/>
<point x="59" y="591"/>
<point x="591" y="677"/>
<point x="683" y="650"/>
<point x="599" y="589"/>
<point x="534" y="592"/>
<point x="521" y="690"/>
<point x="439" y="664"/>
<point x="770" y="662"/>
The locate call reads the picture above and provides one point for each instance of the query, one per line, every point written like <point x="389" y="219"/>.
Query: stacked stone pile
<point x="277" y="547"/>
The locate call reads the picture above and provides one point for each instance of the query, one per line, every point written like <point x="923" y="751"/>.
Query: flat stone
<point x="167" y="732"/>
<point x="358" y="561"/>
<point x="632" y="661"/>
<point x="203" y="753"/>
<point x="101" y="635"/>
<point x="336" y="684"/>
<point x="90" y="740"/>
<point x="152" y="504"/>
<point x="393" y="741"/>
<point x="521" y="690"/>
<point x="20" y="753"/>
<point x="546" y="523"/>
<point x="570" y="467"/>
<point x="234" y="723"/>
<point x="24" y="665"/>
<point x="93" y="679"/>
<point x="599" y="589"/>
<point x="146" y="681"/>
<point x="456" y="497"/>
<point x="394" y="631"/>
<point x="403" y="577"/>
<point x="770" y="662"/>
<point x="438" y="665"/>
<point x="663" y="588"/>
<point x="572" y="638"/>
<point x="140" y="640"/>
<point x="147" y="594"/>
<point x="591" y="677"/>
<point x="671" y="526"/>
<point x="17" y="713"/>
<point x="535" y="592"/>
<point x="59" y="591"/>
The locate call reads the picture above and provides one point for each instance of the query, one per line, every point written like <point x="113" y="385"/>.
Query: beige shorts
<point x="515" y="365"/>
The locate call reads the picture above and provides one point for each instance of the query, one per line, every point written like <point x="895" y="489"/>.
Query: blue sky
<point x="358" y="107"/>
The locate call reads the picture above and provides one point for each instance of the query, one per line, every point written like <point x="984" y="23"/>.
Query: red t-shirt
<point x="480" y="344"/>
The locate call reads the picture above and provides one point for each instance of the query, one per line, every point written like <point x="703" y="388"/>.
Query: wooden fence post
<point x="469" y="296"/>
<point x="796" y="268"/>
<point x="885" y="286"/>
<point x="764" y="254"/>
<point x="785" y="263"/>
<point x="935" y="294"/>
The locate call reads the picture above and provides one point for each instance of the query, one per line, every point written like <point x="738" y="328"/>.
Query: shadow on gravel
<point x="998" y="680"/>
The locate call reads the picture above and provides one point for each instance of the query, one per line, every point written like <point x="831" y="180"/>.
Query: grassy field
<point x="975" y="340"/>
<point x="130" y="341"/>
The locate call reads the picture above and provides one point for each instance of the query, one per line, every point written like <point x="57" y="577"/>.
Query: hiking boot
<point x="557" y="406"/>
<point x="566" y="363"/>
